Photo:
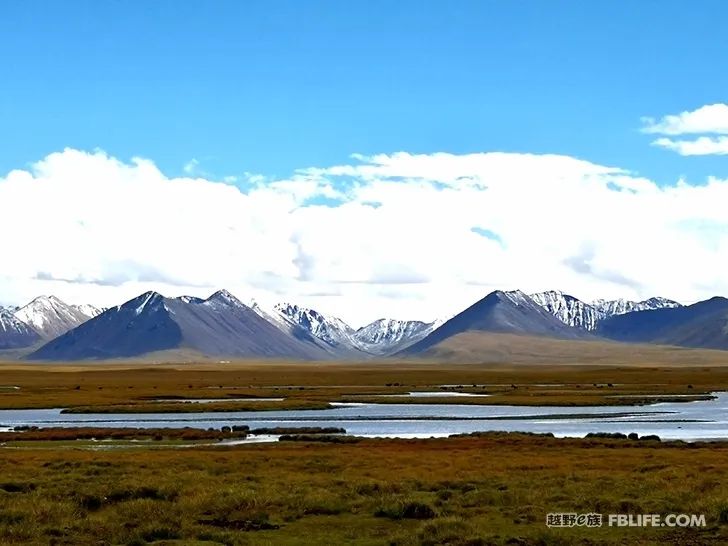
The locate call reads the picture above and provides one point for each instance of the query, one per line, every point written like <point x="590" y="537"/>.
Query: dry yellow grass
<point x="471" y="491"/>
<point x="495" y="489"/>
<point x="484" y="347"/>
<point x="318" y="383"/>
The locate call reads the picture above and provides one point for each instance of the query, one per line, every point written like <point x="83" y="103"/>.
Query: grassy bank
<point x="98" y="387"/>
<point x="185" y="407"/>
<point x="56" y="434"/>
<point x="493" y="489"/>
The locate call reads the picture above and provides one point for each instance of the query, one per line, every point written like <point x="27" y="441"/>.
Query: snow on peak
<point x="386" y="335"/>
<point x="147" y="301"/>
<point x="50" y="317"/>
<point x="518" y="297"/>
<point x="610" y="308"/>
<point x="579" y="314"/>
<point x="224" y="297"/>
<point x="190" y="299"/>
<point x="331" y="330"/>
<point x="14" y="333"/>
<point x="568" y="309"/>
<point x="9" y="323"/>
<point x="88" y="310"/>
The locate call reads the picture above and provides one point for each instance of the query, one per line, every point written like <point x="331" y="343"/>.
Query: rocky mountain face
<point x="379" y="338"/>
<point x="222" y="325"/>
<point x="331" y="330"/>
<point x="502" y="312"/>
<point x="50" y="317"/>
<point x="386" y="336"/>
<point x="569" y="309"/>
<point x="15" y="333"/>
<point x="218" y="326"/>
<point x="703" y="324"/>
<point x="610" y="308"/>
<point x="587" y="316"/>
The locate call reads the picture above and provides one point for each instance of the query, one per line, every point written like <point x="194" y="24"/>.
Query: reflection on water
<point x="705" y="419"/>
<point x="425" y="394"/>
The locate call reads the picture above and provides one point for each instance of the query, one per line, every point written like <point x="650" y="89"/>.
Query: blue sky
<point x="269" y="87"/>
<point x="501" y="145"/>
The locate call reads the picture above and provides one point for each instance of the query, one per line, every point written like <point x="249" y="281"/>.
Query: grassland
<point x="485" y="347"/>
<point x="133" y="388"/>
<point x="185" y="488"/>
<point x="495" y="489"/>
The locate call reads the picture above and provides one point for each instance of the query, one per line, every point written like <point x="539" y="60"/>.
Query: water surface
<point x="695" y="420"/>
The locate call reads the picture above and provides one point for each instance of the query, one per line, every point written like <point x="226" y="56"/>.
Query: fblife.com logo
<point x="624" y="520"/>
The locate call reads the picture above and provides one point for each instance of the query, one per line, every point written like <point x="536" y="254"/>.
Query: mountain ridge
<point x="580" y="314"/>
<point x="512" y="312"/>
<point x="14" y="333"/>
<point x="222" y="325"/>
<point x="219" y="325"/>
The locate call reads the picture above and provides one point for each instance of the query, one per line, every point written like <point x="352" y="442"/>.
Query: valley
<point x="193" y="486"/>
<point x="212" y="421"/>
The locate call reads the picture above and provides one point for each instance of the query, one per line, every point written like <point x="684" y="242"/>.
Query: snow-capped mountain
<point x="221" y="325"/>
<point x="331" y="330"/>
<point x="13" y="332"/>
<point x="610" y="308"/>
<point x="499" y="312"/>
<point x="385" y="336"/>
<point x="381" y="337"/>
<point x="271" y="315"/>
<point x="703" y="324"/>
<point x="587" y="316"/>
<point x="50" y="317"/>
<point x="568" y="309"/>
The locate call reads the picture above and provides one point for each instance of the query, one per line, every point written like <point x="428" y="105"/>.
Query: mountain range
<point x="43" y="319"/>
<point x="223" y="326"/>
<point x="14" y="333"/>
<point x="587" y="316"/>
<point x="50" y="317"/>
<point x="218" y="325"/>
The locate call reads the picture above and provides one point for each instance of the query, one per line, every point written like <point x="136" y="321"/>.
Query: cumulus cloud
<point x="397" y="235"/>
<point x="708" y="121"/>
<point x="711" y="118"/>
<point x="699" y="146"/>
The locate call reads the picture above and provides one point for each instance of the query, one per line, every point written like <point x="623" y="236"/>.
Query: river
<point x="695" y="420"/>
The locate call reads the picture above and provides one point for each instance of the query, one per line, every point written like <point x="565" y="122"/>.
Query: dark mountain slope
<point x="703" y="324"/>
<point x="218" y="326"/>
<point x="501" y="312"/>
<point x="14" y="333"/>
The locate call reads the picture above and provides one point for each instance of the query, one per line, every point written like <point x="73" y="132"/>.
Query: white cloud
<point x="711" y="118"/>
<point x="400" y="243"/>
<point x="699" y="146"/>
<point x="708" y="121"/>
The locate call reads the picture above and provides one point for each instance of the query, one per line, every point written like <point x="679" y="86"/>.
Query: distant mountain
<point x="502" y="312"/>
<point x="386" y="336"/>
<point x="380" y="338"/>
<point x="331" y="330"/>
<point x="218" y="326"/>
<point x="609" y="308"/>
<point x="703" y="324"/>
<point x="50" y="317"/>
<point x="14" y="333"/>
<point x="579" y="314"/>
<point x="569" y="309"/>
<point x="221" y="325"/>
